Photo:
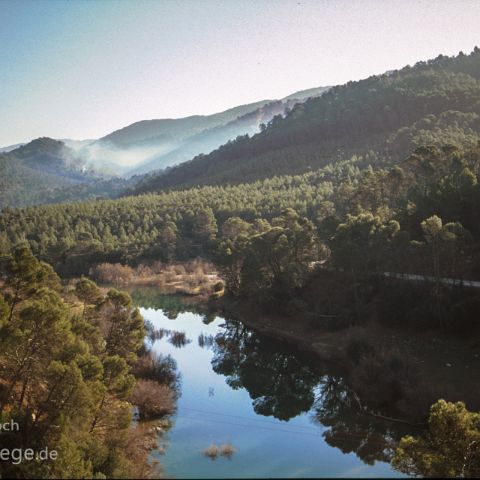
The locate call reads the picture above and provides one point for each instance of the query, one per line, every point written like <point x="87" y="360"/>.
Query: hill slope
<point x="156" y="144"/>
<point x="386" y="116"/>
<point x="33" y="171"/>
<point x="52" y="171"/>
<point x="211" y="138"/>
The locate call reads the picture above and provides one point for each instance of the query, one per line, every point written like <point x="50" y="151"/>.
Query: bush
<point x="159" y="368"/>
<point x="227" y="450"/>
<point x="153" y="399"/>
<point x="211" y="452"/>
<point x="114" y="273"/>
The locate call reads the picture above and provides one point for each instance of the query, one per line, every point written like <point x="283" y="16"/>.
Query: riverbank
<point x="415" y="369"/>
<point x="193" y="278"/>
<point x="257" y="394"/>
<point x="385" y="364"/>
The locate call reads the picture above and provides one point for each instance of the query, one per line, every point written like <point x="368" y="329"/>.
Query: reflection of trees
<point x="350" y="428"/>
<point x="209" y="317"/>
<point x="206" y="341"/>
<point x="172" y="305"/>
<point x="282" y="385"/>
<point x="278" y="382"/>
<point x="178" y="339"/>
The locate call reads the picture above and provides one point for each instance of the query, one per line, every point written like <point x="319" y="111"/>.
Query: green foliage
<point x="369" y="221"/>
<point x="451" y="448"/>
<point x="66" y="371"/>
<point x="269" y="263"/>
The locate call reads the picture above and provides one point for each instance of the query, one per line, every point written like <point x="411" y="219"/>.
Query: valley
<point x="298" y="267"/>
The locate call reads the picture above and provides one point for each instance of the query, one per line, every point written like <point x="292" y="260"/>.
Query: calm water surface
<point x="283" y="418"/>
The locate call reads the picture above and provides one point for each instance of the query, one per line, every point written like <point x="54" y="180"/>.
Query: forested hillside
<point x="151" y="145"/>
<point x="441" y="182"/>
<point x="51" y="171"/>
<point x="211" y="138"/>
<point x="32" y="172"/>
<point x="434" y="102"/>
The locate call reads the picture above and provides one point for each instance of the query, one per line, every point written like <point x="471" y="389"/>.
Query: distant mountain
<point x="309" y="93"/>
<point x="9" y="148"/>
<point x="381" y="118"/>
<point x="142" y="146"/>
<point x="211" y="138"/>
<point x="156" y="144"/>
<point x="33" y="170"/>
<point x="148" y="131"/>
<point x="49" y="171"/>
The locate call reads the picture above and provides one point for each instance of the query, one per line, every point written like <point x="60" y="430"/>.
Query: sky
<point x="81" y="69"/>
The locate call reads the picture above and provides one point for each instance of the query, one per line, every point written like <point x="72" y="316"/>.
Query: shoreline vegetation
<point x="449" y="363"/>
<point x="437" y="358"/>
<point x="78" y="377"/>
<point x="196" y="277"/>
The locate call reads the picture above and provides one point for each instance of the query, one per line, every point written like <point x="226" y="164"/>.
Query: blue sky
<point x="81" y="69"/>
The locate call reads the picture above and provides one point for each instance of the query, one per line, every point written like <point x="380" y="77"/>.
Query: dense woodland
<point x="72" y="362"/>
<point x="347" y="220"/>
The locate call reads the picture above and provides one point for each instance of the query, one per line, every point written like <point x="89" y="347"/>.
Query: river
<point x="283" y="417"/>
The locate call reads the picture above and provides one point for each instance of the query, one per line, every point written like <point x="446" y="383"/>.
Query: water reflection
<point x="279" y="384"/>
<point x="206" y="341"/>
<point x="351" y="428"/>
<point x="232" y="377"/>
<point x="178" y="339"/>
<point x="283" y="384"/>
<point x="171" y="305"/>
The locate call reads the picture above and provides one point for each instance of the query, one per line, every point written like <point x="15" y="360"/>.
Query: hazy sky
<point x="81" y="69"/>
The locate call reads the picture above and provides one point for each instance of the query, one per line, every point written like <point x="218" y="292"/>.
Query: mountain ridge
<point x="374" y="114"/>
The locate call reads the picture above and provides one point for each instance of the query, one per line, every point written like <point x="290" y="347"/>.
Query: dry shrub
<point x="199" y="265"/>
<point x="141" y="441"/>
<point x="227" y="450"/>
<point x="179" y="269"/>
<point x="143" y="270"/>
<point x="157" y="267"/>
<point x="196" y="280"/>
<point x="160" y="281"/>
<point x="153" y="399"/>
<point x="157" y="367"/>
<point x="170" y="276"/>
<point x="200" y="277"/>
<point x="211" y="452"/>
<point x="114" y="273"/>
